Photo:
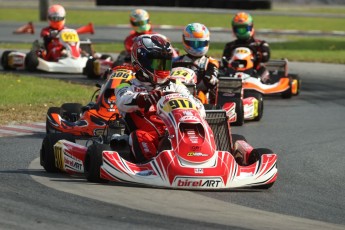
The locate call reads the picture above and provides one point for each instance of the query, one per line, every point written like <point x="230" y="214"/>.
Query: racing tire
<point x="240" y="112"/>
<point x="93" y="162"/>
<point x="89" y="71"/>
<point x="4" y="60"/>
<point x="295" y="77"/>
<point x="260" y="99"/>
<point x="71" y="111"/>
<point x="255" y="155"/>
<point x="49" y="128"/>
<point x="47" y="157"/>
<point x="31" y="61"/>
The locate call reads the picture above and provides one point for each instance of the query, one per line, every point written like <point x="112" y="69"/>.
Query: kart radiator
<point x="219" y="124"/>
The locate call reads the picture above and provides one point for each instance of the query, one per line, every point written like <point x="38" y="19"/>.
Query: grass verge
<point x="26" y="99"/>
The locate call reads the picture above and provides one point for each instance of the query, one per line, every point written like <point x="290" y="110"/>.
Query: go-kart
<point x="280" y="81"/>
<point x="240" y="105"/>
<point x="92" y="119"/>
<point x="74" y="55"/>
<point x="196" y="153"/>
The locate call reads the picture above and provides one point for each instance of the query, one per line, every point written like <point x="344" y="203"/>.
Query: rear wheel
<point x="89" y="69"/>
<point x="240" y="113"/>
<point x="93" y="162"/>
<point x="4" y="60"/>
<point x="260" y="99"/>
<point x="71" y="111"/>
<point x="296" y="84"/>
<point x="31" y="61"/>
<point x="47" y="157"/>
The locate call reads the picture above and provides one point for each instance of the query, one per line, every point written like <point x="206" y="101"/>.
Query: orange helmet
<point x="140" y="20"/>
<point x="56" y="17"/>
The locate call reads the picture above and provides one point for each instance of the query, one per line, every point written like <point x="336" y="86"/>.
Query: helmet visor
<point x="161" y="64"/>
<point x="242" y="29"/>
<point x="196" y="44"/>
<point x="56" y="18"/>
<point x="140" y="23"/>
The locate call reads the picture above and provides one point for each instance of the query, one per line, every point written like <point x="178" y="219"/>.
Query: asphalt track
<point x="306" y="132"/>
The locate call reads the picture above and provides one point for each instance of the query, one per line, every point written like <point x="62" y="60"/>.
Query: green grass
<point x="26" y="98"/>
<point x="181" y="19"/>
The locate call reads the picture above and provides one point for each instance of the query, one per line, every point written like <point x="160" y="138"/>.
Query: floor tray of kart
<point x="197" y="153"/>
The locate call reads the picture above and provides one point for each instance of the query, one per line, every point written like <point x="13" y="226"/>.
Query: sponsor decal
<point x="196" y="154"/>
<point x="199" y="171"/>
<point x="199" y="182"/>
<point x="73" y="164"/>
<point x="145" y="173"/>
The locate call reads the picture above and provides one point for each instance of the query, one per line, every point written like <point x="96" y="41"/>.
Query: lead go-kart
<point x="280" y="81"/>
<point x="74" y="55"/>
<point x="92" y="119"/>
<point x="195" y="153"/>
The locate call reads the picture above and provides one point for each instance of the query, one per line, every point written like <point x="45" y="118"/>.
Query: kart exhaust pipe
<point x="86" y="29"/>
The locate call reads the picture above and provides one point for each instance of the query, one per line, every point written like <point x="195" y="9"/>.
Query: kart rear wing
<point x="228" y="89"/>
<point x="218" y="122"/>
<point x="277" y="67"/>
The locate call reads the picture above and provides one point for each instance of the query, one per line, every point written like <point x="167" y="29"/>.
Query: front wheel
<point x="89" y="70"/>
<point x="47" y="156"/>
<point x="93" y="162"/>
<point x="31" y="61"/>
<point x="296" y="84"/>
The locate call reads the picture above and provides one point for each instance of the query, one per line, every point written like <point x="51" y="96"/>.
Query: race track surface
<point x="306" y="132"/>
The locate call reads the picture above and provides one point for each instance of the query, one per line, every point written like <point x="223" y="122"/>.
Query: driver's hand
<point x="54" y="33"/>
<point x="146" y="100"/>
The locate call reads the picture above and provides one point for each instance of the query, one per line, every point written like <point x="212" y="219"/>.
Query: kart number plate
<point x="70" y="37"/>
<point x="183" y="73"/>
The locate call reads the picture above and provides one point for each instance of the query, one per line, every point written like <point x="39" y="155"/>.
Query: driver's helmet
<point x="152" y="58"/>
<point x="140" y="20"/>
<point x="195" y="39"/>
<point x="242" y="26"/>
<point x="56" y="17"/>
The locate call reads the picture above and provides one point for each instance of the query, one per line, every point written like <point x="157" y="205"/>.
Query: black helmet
<point x="152" y="57"/>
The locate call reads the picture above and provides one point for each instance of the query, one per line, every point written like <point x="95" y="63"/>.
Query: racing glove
<point x="211" y="74"/>
<point x="146" y="100"/>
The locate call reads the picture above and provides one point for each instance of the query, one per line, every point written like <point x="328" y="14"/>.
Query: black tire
<point x="93" y="162"/>
<point x="71" y="111"/>
<point x="260" y="99"/>
<point x="4" y="60"/>
<point x="255" y="155"/>
<point x="239" y="112"/>
<point x="89" y="70"/>
<point x="31" y="61"/>
<point x="57" y="110"/>
<point x="296" y="77"/>
<point x="237" y="137"/>
<point x="47" y="158"/>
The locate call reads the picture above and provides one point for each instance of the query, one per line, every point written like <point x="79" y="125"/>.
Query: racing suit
<point x="206" y="69"/>
<point x="261" y="52"/>
<point x="145" y="132"/>
<point x="51" y="44"/>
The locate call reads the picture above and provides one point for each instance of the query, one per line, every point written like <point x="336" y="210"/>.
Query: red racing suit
<point x="144" y="129"/>
<point x="51" y="44"/>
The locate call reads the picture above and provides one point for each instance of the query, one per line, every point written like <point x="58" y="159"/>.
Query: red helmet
<point x="152" y="57"/>
<point x="56" y="17"/>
